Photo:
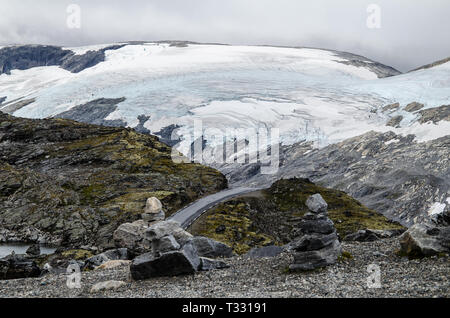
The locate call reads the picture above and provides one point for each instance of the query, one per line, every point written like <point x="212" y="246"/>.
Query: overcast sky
<point x="412" y="33"/>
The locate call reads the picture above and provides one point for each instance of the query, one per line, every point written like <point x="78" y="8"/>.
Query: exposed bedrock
<point x="28" y="56"/>
<point x="392" y="174"/>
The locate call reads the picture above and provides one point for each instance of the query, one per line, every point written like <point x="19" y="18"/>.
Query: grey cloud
<point x="412" y="32"/>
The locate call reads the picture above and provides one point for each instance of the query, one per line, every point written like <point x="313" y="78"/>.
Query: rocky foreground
<point x="265" y="277"/>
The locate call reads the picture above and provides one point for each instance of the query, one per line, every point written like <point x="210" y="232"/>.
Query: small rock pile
<point x="318" y="245"/>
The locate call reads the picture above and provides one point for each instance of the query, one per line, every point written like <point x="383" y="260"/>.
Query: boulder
<point x="208" y="264"/>
<point x="105" y="286"/>
<point x="164" y="245"/>
<point x="132" y="237"/>
<point x="153" y="211"/>
<point x="111" y="255"/>
<point x="34" y="250"/>
<point x="316" y="204"/>
<point x="165" y="228"/>
<point x="207" y="247"/>
<point x="265" y="252"/>
<point x="18" y="266"/>
<point x="181" y="262"/>
<point x="423" y="240"/>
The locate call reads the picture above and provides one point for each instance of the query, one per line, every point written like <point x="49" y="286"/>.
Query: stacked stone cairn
<point x="318" y="244"/>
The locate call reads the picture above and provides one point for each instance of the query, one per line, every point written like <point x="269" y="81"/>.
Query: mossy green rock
<point x="73" y="184"/>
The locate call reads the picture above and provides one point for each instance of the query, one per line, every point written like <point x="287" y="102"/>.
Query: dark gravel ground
<point x="267" y="278"/>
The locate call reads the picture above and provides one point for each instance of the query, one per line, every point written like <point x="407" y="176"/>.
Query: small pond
<point x="18" y="248"/>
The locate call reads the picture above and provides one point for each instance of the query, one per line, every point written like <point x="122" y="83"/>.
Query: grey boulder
<point x="207" y="247"/>
<point x="316" y="204"/>
<point x="208" y="264"/>
<point x="423" y="240"/>
<point x="132" y="237"/>
<point x="181" y="262"/>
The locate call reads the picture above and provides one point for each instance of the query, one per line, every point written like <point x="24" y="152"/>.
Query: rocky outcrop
<point x="18" y="266"/>
<point x="435" y="115"/>
<point x="391" y="107"/>
<point x="413" y="107"/>
<point x="318" y="244"/>
<point x="389" y="173"/>
<point x="28" y="56"/>
<point x="73" y="184"/>
<point x="395" y="121"/>
<point x="95" y="112"/>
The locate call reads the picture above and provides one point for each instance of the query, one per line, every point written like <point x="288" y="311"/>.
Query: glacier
<point x="308" y="94"/>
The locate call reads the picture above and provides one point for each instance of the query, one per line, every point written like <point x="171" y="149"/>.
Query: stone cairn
<point x="318" y="245"/>
<point x="153" y="211"/>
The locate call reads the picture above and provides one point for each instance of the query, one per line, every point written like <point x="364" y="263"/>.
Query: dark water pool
<point x="7" y="248"/>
